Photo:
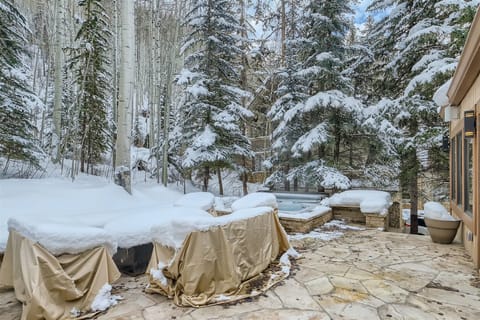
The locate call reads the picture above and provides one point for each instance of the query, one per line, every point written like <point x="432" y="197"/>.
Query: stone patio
<point x="362" y="275"/>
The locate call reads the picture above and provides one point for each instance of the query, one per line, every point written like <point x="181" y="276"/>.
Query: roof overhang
<point x="469" y="65"/>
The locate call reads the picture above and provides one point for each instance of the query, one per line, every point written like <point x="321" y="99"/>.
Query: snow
<point x="435" y="210"/>
<point x="224" y="204"/>
<point x="305" y="214"/>
<point x="222" y="297"/>
<point x="158" y="274"/>
<point x="71" y="217"/>
<point x="305" y="143"/>
<point x="369" y="201"/>
<point x="285" y="260"/>
<point x="338" y="224"/>
<point x="440" y="97"/>
<point x="172" y="233"/>
<point x="88" y="202"/>
<point x="62" y="238"/>
<point x="325" y="232"/>
<point x="256" y="199"/>
<point x="199" y="200"/>
<point x="317" y="234"/>
<point x="133" y="232"/>
<point x="104" y="299"/>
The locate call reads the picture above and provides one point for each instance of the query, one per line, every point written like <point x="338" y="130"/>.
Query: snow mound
<point x="61" y="238"/>
<point x="256" y="199"/>
<point x="224" y="204"/>
<point x="172" y="233"/>
<point x="435" y="210"/>
<point x="369" y="201"/>
<point x="285" y="260"/>
<point x="199" y="200"/>
<point x="104" y="299"/>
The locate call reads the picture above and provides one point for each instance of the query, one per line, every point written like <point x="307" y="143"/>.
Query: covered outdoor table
<point x="54" y="280"/>
<point x="218" y="260"/>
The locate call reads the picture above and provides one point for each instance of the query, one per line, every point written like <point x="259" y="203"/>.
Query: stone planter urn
<point x="442" y="231"/>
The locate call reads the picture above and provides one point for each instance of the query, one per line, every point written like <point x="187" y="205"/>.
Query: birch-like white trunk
<point x="125" y="90"/>
<point x="57" y="104"/>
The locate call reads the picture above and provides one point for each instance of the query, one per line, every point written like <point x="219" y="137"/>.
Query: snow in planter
<point x="435" y="210"/>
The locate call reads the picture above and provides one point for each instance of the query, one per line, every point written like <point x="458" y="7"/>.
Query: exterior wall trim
<point x="469" y="66"/>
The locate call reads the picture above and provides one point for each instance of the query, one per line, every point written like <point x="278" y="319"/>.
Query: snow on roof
<point x="199" y="200"/>
<point x="256" y="199"/>
<point x="440" y="97"/>
<point x="61" y="238"/>
<point x="172" y="233"/>
<point x="305" y="214"/>
<point x="130" y="231"/>
<point x="369" y="201"/>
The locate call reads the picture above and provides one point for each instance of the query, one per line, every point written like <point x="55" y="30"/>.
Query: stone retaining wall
<point x="348" y="214"/>
<point x="305" y="226"/>
<point x="354" y="215"/>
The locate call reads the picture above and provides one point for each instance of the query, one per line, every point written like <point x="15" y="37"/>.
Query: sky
<point x="360" y="11"/>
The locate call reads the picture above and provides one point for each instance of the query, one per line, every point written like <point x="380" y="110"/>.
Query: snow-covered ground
<point x="329" y="231"/>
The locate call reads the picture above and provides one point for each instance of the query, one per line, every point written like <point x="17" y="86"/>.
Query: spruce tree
<point x="17" y="99"/>
<point x="90" y="62"/>
<point x="324" y="115"/>
<point x="212" y="102"/>
<point x="416" y="50"/>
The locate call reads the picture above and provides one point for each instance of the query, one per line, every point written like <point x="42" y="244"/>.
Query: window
<point x="453" y="156"/>
<point x="458" y="168"/>
<point x="468" y="174"/>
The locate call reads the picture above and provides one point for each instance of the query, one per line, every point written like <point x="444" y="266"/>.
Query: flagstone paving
<point x="365" y="274"/>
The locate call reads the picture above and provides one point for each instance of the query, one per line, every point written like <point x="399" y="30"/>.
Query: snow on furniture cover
<point x="369" y="201"/>
<point x="199" y="200"/>
<point x="218" y="260"/>
<point x="130" y="232"/>
<point x="256" y="199"/>
<point x="69" y="275"/>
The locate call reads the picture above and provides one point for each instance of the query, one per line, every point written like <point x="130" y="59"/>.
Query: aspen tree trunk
<point x="243" y="85"/>
<point x="125" y="101"/>
<point x="168" y="98"/>
<point x="151" y="73"/>
<point x="115" y="76"/>
<point x="57" y="104"/>
<point x="283" y="32"/>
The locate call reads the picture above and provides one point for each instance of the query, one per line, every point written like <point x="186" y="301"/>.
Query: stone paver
<point x="365" y="274"/>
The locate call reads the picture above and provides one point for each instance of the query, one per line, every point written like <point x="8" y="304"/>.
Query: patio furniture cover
<point x="222" y="264"/>
<point x="49" y="286"/>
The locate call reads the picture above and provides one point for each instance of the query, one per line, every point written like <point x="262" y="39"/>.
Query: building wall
<point x="470" y="227"/>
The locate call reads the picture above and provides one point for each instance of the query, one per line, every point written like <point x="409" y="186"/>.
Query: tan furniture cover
<point x="51" y="286"/>
<point x="222" y="264"/>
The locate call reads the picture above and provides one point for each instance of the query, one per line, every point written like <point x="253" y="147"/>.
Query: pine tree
<point x="90" y="62"/>
<point x="323" y="115"/>
<point x="416" y="51"/>
<point x="290" y="91"/>
<point x="17" y="99"/>
<point x="212" y="109"/>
